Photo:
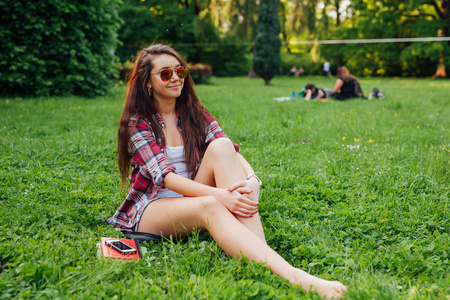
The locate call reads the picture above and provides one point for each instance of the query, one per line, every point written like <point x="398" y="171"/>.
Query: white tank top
<point x="175" y="157"/>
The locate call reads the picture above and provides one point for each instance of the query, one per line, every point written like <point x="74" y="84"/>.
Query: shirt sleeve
<point x="213" y="131"/>
<point x="147" y="153"/>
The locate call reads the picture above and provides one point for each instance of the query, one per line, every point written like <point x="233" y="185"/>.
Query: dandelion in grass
<point x="370" y="141"/>
<point x="418" y="126"/>
<point x="396" y="114"/>
<point x="344" y="138"/>
<point x="356" y="140"/>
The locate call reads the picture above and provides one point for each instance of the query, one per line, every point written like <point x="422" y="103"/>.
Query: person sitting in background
<point x="293" y="71"/>
<point x="300" y="72"/>
<point x="311" y="92"/>
<point x="346" y="86"/>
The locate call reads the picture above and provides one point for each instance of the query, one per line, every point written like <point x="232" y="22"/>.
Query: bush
<point x="200" y="72"/>
<point x="228" y="60"/>
<point x="58" y="47"/>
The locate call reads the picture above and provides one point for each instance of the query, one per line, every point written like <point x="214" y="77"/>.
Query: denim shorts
<point x="138" y="216"/>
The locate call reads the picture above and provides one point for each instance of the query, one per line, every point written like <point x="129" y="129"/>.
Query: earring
<point x="149" y="90"/>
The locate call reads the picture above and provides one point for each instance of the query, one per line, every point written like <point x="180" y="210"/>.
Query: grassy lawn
<point x="356" y="191"/>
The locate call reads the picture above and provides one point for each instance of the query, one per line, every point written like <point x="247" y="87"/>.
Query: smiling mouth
<point x="174" y="86"/>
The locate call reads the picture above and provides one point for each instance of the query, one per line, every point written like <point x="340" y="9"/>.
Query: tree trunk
<point x="444" y="14"/>
<point x="252" y="74"/>
<point x="336" y="7"/>
<point x="440" y="71"/>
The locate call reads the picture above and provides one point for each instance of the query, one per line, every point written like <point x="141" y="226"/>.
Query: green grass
<point x="356" y="191"/>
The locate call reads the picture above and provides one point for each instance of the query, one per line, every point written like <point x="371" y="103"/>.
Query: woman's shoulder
<point x="138" y="120"/>
<point x="139" y="123"/>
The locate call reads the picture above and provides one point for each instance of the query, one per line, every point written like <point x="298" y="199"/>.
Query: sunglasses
<point x="166" y="74"/>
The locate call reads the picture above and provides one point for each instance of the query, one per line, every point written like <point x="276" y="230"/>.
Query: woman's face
<point x="165" y="90"/>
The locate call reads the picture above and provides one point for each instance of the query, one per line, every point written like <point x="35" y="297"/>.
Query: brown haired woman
<point x="186" y="174"/>
<point x="346" y="86"/>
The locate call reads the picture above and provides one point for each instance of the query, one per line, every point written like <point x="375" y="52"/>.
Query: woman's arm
<point x="235" y="200"/>
<point x="338" y="85"/>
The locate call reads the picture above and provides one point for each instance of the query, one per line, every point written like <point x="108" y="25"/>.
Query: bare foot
<point x="329" y="289"/>
<point x="325" y="288"/>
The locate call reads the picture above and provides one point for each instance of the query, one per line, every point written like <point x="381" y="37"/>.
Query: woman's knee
<point x="221" y="145"/>
<point x="211" y="206"/>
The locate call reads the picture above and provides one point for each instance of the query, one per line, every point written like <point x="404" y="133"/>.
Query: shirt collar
<point x="160" y="119"/>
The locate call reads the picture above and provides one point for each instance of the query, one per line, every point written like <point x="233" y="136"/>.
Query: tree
<point x="148" y="22"/>
<point x="57" y="47"/>
<point x="241" y="19"/>
<point x="185" y="25"/>
<point x="373" y="19"/>
<point x="267" y="62"/>
<point x="442" y="8"/>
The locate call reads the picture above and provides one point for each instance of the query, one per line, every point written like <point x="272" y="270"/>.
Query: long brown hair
<point x="344" y="73"/>
<point x="138" y="103"/>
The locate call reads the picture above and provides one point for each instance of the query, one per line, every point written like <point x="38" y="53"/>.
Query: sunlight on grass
<point x="356" y="191"/>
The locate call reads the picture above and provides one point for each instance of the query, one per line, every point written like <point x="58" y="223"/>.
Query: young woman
<point x="186" y="174"/>
<point x="346" y="86"/>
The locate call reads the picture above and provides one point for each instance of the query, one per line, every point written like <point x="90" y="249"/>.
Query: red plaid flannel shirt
<point x="149" y="166"/>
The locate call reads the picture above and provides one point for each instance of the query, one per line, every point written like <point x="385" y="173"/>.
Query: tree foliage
<point x="148" y="21"/>
<point x="189" y="27"/>
<point x="57" y="47"/>
<point x="67" y="47"/>
<point x="267" y="62"/>
<point x="371" y="19"/>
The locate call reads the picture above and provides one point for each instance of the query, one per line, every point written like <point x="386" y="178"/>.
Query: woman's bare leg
<point x="179" y="216"/>
<point x="221" y="167"/>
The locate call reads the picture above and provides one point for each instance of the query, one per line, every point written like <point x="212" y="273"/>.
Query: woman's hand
<point x="243" y="185"/>
<point x="237" y="199"/>
<point x="308" y="95"/>
<point x="242" y="198"/>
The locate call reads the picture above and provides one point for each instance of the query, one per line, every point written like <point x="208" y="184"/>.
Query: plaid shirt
<point x="149" y="167"/>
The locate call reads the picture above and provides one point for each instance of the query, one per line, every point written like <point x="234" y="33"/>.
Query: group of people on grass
<point x="185" y="175"/>
<point x="346" y="87"/>
<point x="296" y="72"/>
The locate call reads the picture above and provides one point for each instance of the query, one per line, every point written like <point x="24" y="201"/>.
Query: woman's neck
<point x="166" y="108"/>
